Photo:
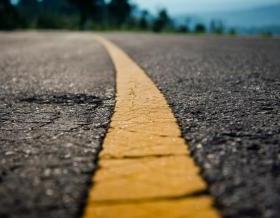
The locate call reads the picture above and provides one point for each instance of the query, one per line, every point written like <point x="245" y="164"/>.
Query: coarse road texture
<point x="225" y="93"/>
<point x="145" y="168"/>
<point x="57" y="95"/>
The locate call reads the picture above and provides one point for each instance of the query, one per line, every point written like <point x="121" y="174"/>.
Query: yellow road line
<point x="145" y="170"/>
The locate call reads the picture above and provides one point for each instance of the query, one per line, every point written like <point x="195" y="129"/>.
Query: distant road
<point x="57" y="94"/>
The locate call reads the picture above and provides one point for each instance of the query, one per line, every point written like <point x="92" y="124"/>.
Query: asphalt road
<point x="57" y="95"/>
<point x="225" y="93"/>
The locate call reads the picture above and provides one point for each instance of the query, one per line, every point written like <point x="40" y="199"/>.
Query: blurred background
<point x="243" y="17"/>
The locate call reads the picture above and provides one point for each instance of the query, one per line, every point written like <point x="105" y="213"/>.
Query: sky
<point x="192" y="6"/>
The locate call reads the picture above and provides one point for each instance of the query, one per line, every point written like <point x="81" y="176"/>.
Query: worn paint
<point x="145" y="169"/>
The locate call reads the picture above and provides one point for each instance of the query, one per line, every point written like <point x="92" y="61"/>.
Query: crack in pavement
<point x="196" y="194"/>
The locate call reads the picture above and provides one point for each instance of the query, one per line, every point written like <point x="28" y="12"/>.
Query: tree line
<point x="90" y="15"/>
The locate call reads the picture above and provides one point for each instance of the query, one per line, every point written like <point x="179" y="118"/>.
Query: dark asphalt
<point x="225" y="93"/>
<point x="57" y="95"/>
<point x="56" y="98"/>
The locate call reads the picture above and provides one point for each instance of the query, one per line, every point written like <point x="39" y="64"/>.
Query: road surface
<point x="57" y="96"/>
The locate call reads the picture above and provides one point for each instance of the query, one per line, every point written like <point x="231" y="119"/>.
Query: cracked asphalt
<point x="225" y="93"/>
<point x="57" y="95"/>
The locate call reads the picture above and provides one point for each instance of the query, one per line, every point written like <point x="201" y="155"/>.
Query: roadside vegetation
<point x="99" y="15"/>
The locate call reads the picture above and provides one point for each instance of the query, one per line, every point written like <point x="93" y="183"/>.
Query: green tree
<point x="183" y="29"/>
<point x="266" y="34"/>
<point x="143" y="22"/>
<point x="162" y="21"/>
<point x="29" y="7"/>
<point x="200" y="28"/>
<point x="9" y="17"/>
<point x="29" y="10"/>
<point x="119" y="12"/>
<point x="232" y="32"/>
<point x="87" y="8"/>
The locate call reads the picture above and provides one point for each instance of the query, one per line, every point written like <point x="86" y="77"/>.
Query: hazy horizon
<point x="176" y="7"/>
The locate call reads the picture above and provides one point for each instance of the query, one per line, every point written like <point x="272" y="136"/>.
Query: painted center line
<point x="145" y="170"/>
